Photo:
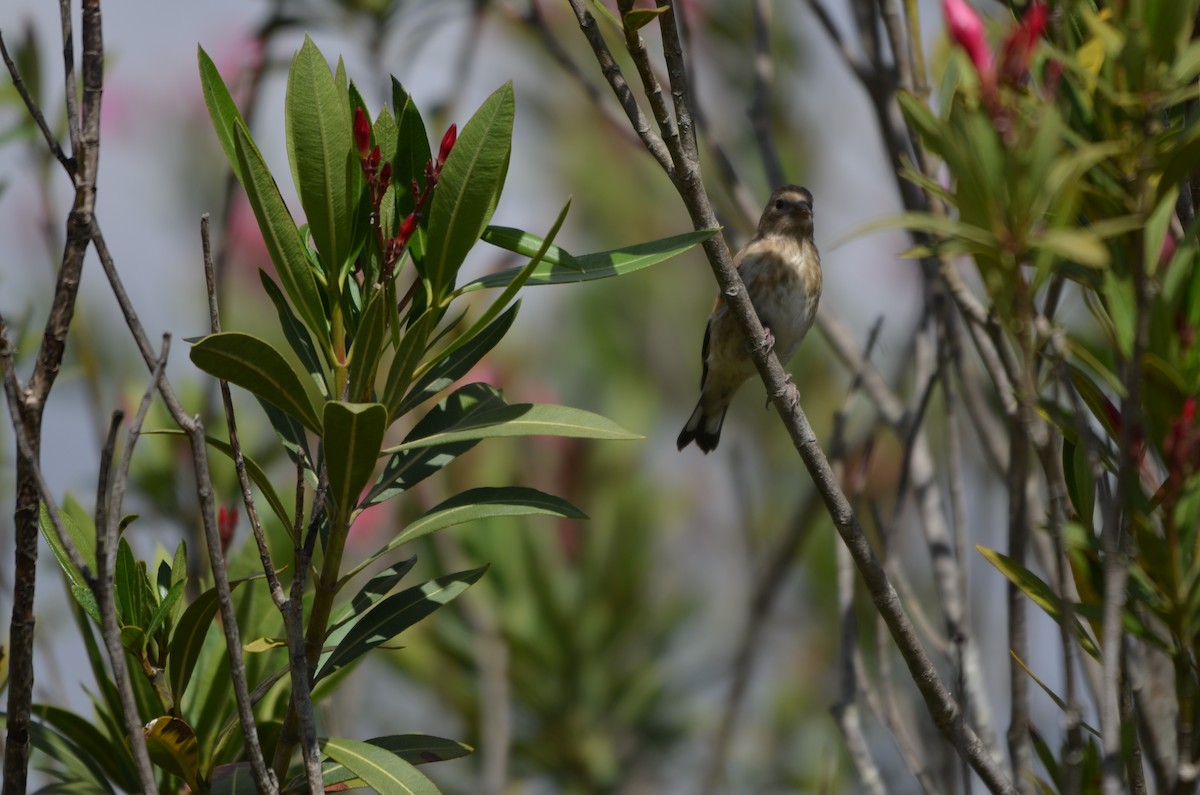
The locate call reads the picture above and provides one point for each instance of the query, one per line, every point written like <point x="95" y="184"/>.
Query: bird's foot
<point x="793" y="393"/>
<point x="768" y="339"/>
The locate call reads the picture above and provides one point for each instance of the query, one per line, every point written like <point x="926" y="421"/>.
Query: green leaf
<point x="296" y="334"/>
<point x="600" y="265"/>
<point x="221" y="109"/>
<point x="469" y="188"/>
<point x="1122" y="309"/>
<point x="127" y="589"/>
<point x="408" y="355"/>
<point x="188" y="639"/>
<point x="524" y="419"/>
<point x="80" y="765"/>
<point x="375" y="589"/>
<point x="380" y="770"/>
<point x="408" y="468"/>
<point x="641" y="17"/>
<point x="412" y="150"/>
<point x="279" y="232"/>
<point x="1038" y="592"/>
<point x="444" y="370"/>
<point x="353" y="436"/>
<point x="320" y="148"/>
<point x="257" y="367"/>
<point x="510" y="290"/>
<point x="527" y="244"/>
<point x="165" y="608"/>
<point x="172" y="746"/>
<point x="972" y="238"/>
<point x="367" y="348"/>
<point x="394" y="615"/>
<point x="84" y="539"/>
<point x="604" y="13"/>
<point x="113" y="757"/>
<point x="233" y="779"/>
<point x="1074" y="245"/>
<point x="482" y="503"/>
<point x="416" y="749"/>
<point x="1187" y="64"/>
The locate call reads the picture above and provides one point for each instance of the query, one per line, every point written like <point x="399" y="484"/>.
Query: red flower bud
<point x="226" y="523"/>
<point x="373" y="161"/>
<point x="1020" y="43"/>
<point x="385" y="176"/>
<point x="966" y="29"/>
<point x="362" y="132"/>
<point x="447" y="144"/>
<point x="407" y="227"/>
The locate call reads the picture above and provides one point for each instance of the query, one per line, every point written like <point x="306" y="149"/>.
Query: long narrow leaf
<point x="384" y="772"/>
<point x="416" y="749"/>
<point x="257" y="367"/>
<point x="367" y="347"/>
<point x="369" y="595"/>
<point x="443" y="370"/>
<point x="483" y="503"/>
<point x="221" y="109"/>
<point x="394" y="615"/>
<point x="524" y="419"/>
<point x="353" y="436"/>
<point x="296" y="334"/>
<point x="511" y="289"/>
<point x="280" y="234"/>
<point x="600" y="265"/>
<point x="468" y="189"/>
<point x="320" y="150"/>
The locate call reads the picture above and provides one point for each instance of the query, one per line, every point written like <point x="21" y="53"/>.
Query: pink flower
<point x="966" y="28"/>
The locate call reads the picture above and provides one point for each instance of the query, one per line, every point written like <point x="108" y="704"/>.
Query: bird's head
<point x="789" y="213"/>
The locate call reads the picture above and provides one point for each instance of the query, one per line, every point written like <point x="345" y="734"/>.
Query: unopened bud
<point x="385" y="175"/>
<point x="447" y="144"/>
<point x="226" y="523"/>
<point x="362" y="132"/>
<point x="407" y="227"/>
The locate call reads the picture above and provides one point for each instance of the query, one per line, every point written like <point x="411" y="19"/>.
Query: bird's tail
<point x="702" y="428"/>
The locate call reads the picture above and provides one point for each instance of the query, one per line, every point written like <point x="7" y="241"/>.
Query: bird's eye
<point x="780" y="204"/>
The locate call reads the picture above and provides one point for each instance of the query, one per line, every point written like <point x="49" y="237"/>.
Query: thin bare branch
<point x="34" y="111"/>
<point x="759" y="111"/>
<point x="293" y="625"/>
<point x="612" y="73"/>
<point x="939" y="702"/>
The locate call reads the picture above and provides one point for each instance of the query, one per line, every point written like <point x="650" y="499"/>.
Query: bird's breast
<point x="784" y="282"/>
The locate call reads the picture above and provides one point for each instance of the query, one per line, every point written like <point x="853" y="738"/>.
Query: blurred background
<point x="601" y="653"/>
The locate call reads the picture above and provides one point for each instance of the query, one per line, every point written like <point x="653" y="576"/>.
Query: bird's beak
<point x="804" y="210"/>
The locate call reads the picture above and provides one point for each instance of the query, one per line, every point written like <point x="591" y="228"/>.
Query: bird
<point x="781" y="269"/>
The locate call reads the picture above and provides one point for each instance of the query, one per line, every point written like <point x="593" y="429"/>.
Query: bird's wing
<point x="704" y="350"/>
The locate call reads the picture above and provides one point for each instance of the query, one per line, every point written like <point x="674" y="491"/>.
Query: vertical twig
<point x="109" y="496"/>
<point x="288" y="609"/>
<point x="759" y="111"/>
<point x="85" y="138"/>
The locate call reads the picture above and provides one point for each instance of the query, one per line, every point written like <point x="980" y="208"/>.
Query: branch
<point x="289" y="610"/>
<point x="48" y="364"/>
<point x="688" y="182"/>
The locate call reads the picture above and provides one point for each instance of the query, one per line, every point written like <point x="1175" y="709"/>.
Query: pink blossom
<point x="966" y="28"/>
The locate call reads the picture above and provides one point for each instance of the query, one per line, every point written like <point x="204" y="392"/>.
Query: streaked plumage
<point x="782" y="272"/>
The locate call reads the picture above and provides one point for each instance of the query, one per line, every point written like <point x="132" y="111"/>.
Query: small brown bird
<point x="782" y="272"/>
